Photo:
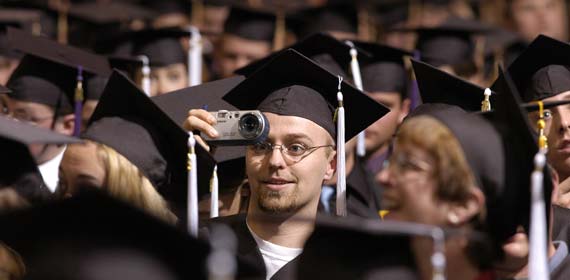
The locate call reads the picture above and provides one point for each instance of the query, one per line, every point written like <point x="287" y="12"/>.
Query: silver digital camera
<point x="237" y="128"/>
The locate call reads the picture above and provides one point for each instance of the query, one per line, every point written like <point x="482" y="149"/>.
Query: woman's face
<point x="410" y="187"/>
<point x="168" y="78"/>
<point x="80" y="167"/>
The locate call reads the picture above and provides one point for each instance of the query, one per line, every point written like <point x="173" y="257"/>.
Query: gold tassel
<point x="541" y="124"/>
<point x="486" y="103"/>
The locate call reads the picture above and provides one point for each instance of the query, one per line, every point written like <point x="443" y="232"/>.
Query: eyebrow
<point x="298" y="136"/>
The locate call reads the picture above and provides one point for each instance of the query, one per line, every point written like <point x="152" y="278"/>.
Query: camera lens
<point x="250" y="125"/>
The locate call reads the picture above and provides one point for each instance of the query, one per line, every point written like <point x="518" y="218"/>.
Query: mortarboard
<point x="322" y="48"/>
<point x="101" y="14"/>
<point x="93" y="236"/>
<point x="52" y="73"/>
<point x="26" y="20"/>
<point x="450" y="43"/>
<point x="250" y="23"/>
<point x="161" y="46"/>
<point x="129" y="122"/>
<point x="293" y="85"/>
<point x="437" y="86"/>
<point x="208" y="96"/>
<point x="23" y="175"/>
<point x="169" y="6"/>
<point x="336" y="16"/>
<point x="542" y="70"/>
<point x="385" y="70"/>
<point x="94" y="87"/>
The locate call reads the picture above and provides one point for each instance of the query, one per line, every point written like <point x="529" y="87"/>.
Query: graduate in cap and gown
<point x="299" y="99"/>
<point x="47" y="90"/>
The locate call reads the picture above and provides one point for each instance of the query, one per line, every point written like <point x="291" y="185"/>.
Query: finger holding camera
<point x="202" y="121"/>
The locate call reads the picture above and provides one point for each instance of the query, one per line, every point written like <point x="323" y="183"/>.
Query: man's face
<point x="557" y="131"/>
<point x="168" y="78"/>
<point x="234" y="52"/>
<point x="379" y="133"/>
<point x="39" y="115"/>
<point x="282" y="185"/>
<point x="533" y="17"/>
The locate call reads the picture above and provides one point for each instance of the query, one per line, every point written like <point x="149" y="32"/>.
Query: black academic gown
<point x="249" y="253"/>
<point x="560" y="220"/>
<point x="362" y="194"/>
<point x="562" y="271"/>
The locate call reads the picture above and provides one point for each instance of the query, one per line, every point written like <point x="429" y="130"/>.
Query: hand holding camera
<point x="228" y="128"/>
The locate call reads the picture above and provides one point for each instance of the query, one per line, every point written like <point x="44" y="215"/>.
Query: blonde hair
<point x="125" y="181"/>
<point x="451" y="170"/>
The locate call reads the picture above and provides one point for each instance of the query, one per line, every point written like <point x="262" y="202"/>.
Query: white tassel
<point x="195" y="57"/>
<point x="214" y="207"/>
<point x="340" y="156"/>
<point x="192" y="187"/>
<point x="438" y="261"/>
<point x="357" y="77"/>
<point x="145" y="70"/>
<point x="538" y="258"/>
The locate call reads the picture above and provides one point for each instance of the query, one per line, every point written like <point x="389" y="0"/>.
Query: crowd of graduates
<point x="404" y="139"/>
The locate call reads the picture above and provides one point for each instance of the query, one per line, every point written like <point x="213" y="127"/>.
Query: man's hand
<point x="201" y="120"/>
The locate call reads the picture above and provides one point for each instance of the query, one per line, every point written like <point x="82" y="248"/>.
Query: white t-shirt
<point x="50" y="171"/>
<point x="274" y="256"/>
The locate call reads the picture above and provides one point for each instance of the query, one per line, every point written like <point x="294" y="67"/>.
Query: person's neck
<point x="523" y="272"/>
<point x="457" y="264"/>
<point x="284" y="229"/>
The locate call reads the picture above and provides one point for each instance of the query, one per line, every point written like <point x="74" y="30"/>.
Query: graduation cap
<point x="249" y="23"/>
<point x="129" y="122"/>
<point x="110" y="13"/>
<point x="208" y="96"/>
<point x="94" y="236"/>
<point x="161" y="46"/>
<point x="19" y="18"/>
<point x="22" y="174"/>
<point x="52" y="74"/>
<point x="385" y="70"/>
<point x="324" y="49"/>
<point x="542" y="70"/>
<point x="437" y="86"/>
<point x="169" y="6"/>
<point x="336" y="16"/>
<point x="451" y="43"/>
<point x="293" y="85"/>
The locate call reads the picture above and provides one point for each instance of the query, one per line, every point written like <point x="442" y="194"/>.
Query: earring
<point x="453" y="218"/>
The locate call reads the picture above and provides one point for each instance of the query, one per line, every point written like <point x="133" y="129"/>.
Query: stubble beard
<point x="275" y="202"/>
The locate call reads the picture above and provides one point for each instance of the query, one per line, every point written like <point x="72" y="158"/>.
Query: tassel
<point x="486" y="103"/>
<point x="214" y="207"/>
<point x="78" y="97"/>
<point x="192" y="187"/>
<point x="195" y="57"/>
<point x="357" y="77"/>
<point x="145" y="70"/>
<point x="438" y="261"/>
<point x="340" y="156"/>
<point x="538" y="268"/>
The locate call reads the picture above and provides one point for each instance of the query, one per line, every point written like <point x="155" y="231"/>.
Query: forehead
<point x="561" y="96"/>
<point x="30" y="107"/>
<point x="286" y="126"/>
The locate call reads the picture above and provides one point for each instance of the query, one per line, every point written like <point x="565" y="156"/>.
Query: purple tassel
<point x="79" y="96"/>
<point x="414" y="90"/>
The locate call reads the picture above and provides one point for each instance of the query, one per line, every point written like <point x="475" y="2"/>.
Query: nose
<point x="276" y="160"/>
<point x="383" y="177"/>
<point x="564" y="122"/>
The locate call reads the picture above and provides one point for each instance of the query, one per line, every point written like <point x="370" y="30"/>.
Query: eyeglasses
<point x="295" y="152"/>
<point x="403" y="162"/>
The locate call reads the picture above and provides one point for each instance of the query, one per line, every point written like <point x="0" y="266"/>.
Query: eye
<point x="547" y="114"/>
<point x="261" y="148"/>
<point x="296" y="149"/>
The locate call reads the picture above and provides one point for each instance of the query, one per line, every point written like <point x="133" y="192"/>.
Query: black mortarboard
<point x="251" y="24"/>
<point x="19" y="170"/>
<point x="324" y="49"/>
<point x="293" y="85"/>
<point x="354" y="248"/>
<point x="451" y="43"/>
<point x="161" y="46"/>
<point x="102" y="14"/>
<point x="385" y="70"/>
<point x="129" y="65"/>
<point x="26" y="20"/>
<point x="129" y="122"/>
<point x="94" y="87"/>
<point x="48" y="74"/>
<point x="437" y="86"/>
<point x="169" y="6"/>
<point x="542" y="70"/>
<point x="208" y="96"/>
<point x="94" y="236"/>
<point x="520" y="144"/>
<point x="337" y="16"/>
